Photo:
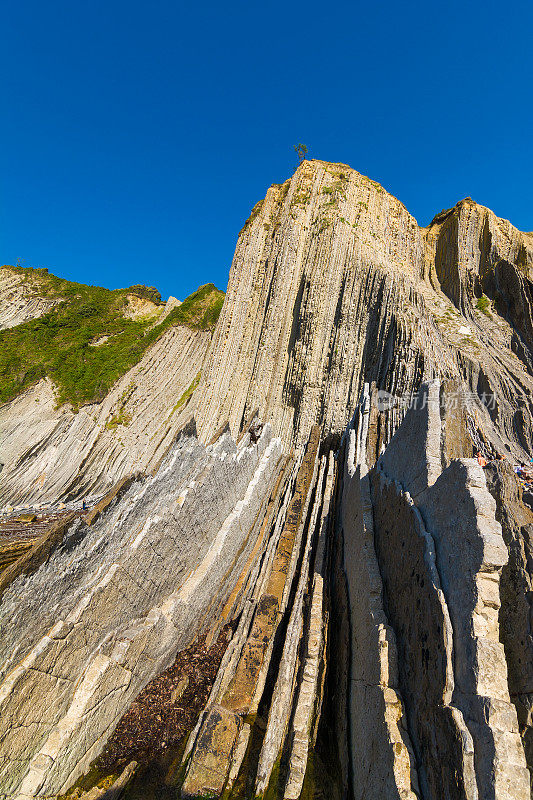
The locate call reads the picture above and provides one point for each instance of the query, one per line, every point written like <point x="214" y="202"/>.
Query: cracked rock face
<point x="333" y="283"/>
<point x="440" y="552"/>
<point x="18" y="301"/>
<point x="85" y="631"/>
<point x="331" y="516"/>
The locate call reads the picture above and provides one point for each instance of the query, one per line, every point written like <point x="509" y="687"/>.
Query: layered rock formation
<point x="429" y="685"/>
<point x="334" y="284"/>
<point x="250" y="729"/>
<point x="515" y="616"/>
<point x="52" y="454"/>
<point x="18" y="301"/>
<point x="83" y="632"/>
<point x="52" y="450"/>
<point x="373" y="580"/>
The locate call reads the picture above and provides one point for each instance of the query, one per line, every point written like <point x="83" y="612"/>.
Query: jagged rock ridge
<point x="333" y="284"/>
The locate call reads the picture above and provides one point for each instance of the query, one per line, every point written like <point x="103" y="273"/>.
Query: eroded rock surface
<point x="18" y="301"/>
<point x="107" y="611"/>
<point x="515" y="615"/>
<point x="375" y="581"/>
<point x="440" y="554"/>
<point x="334" y="284"/>
<point x="51" y="453"/>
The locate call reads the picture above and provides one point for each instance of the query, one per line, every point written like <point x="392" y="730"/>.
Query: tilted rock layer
<point x="95" y="382"/>
<point x="423" y="554"/>
<point x="333" y="283"/>
<point x="18" y="302"/>
<point x="54" y="454"/>
<point x="85" y="631"/>
<point x="375" y="580"/>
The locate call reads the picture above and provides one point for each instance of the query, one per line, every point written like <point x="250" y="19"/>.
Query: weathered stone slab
<point x="417" y="610"/>
<point x="114" y="494"/>
<point x="282" y="558"/>
<point x="244" y="689"/>
<point x="209" y="766"/>
<point x="412" y="457"/>
<point x="382" y="758"/>
<point x="470" y="555"/>
<point x="516" y="590"/>
<point x="39" y="552"/>
<point x="282" y="696"/>
<point x="240" y="692"/>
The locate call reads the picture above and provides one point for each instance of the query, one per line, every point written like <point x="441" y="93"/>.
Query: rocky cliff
<point x="318" y="587"/>
<point x="52" y="453"/>
<point x="334" y="284"/>
<point x="423" y="558"/>
<point x="19" y="302"/>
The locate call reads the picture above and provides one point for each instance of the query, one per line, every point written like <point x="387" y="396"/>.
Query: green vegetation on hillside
<point x="483" y="304"/>
<point x="63" y="344"/>
<point x="200" y="310"/>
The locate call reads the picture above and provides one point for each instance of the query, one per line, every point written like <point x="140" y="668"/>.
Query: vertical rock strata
<point x="376" y="580"/>
<point x="334" y="284"/>
<point x="419" y="614"/>
<point x="318" y="272"/>
<point x="381" y="752"/>
<point x="217" y="748"/>
<point x="515" y="616"/>
<point x="440" y="553"/>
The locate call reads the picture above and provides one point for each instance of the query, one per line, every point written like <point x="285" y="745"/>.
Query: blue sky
<point x="136" y="136"/>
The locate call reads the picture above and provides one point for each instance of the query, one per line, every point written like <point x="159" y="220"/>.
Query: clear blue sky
<point x="136" y="136"/>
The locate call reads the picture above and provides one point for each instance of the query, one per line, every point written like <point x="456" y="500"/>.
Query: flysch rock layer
<point x="334" y="284"/>
<point x="440" y="553"/>
<point x="380" y="748"/>
<point x="460" y="514"/>
<point x="85" y="632"/>
<point x="51" y="453"/>
<point x="280" y="635"/>
<point x="334" y="291"/>
<point x="418" y="612"/>
<point x="304" y="724"/>
<point x="470" y="556"/>
<point x="515" y="616"/>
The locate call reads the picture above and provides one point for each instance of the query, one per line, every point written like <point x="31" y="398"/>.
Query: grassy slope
<point x="57" y="344"/>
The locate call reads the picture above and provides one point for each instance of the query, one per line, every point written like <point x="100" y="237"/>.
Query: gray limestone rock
<point x="470" y="555"/>
<point x="89" y="628"/>
<point x="438" y="557"/>
<point x="417" y="609"/>
<point x="334" y="290"/>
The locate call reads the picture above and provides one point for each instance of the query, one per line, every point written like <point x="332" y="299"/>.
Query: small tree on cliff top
<point x="301" y="151"/>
